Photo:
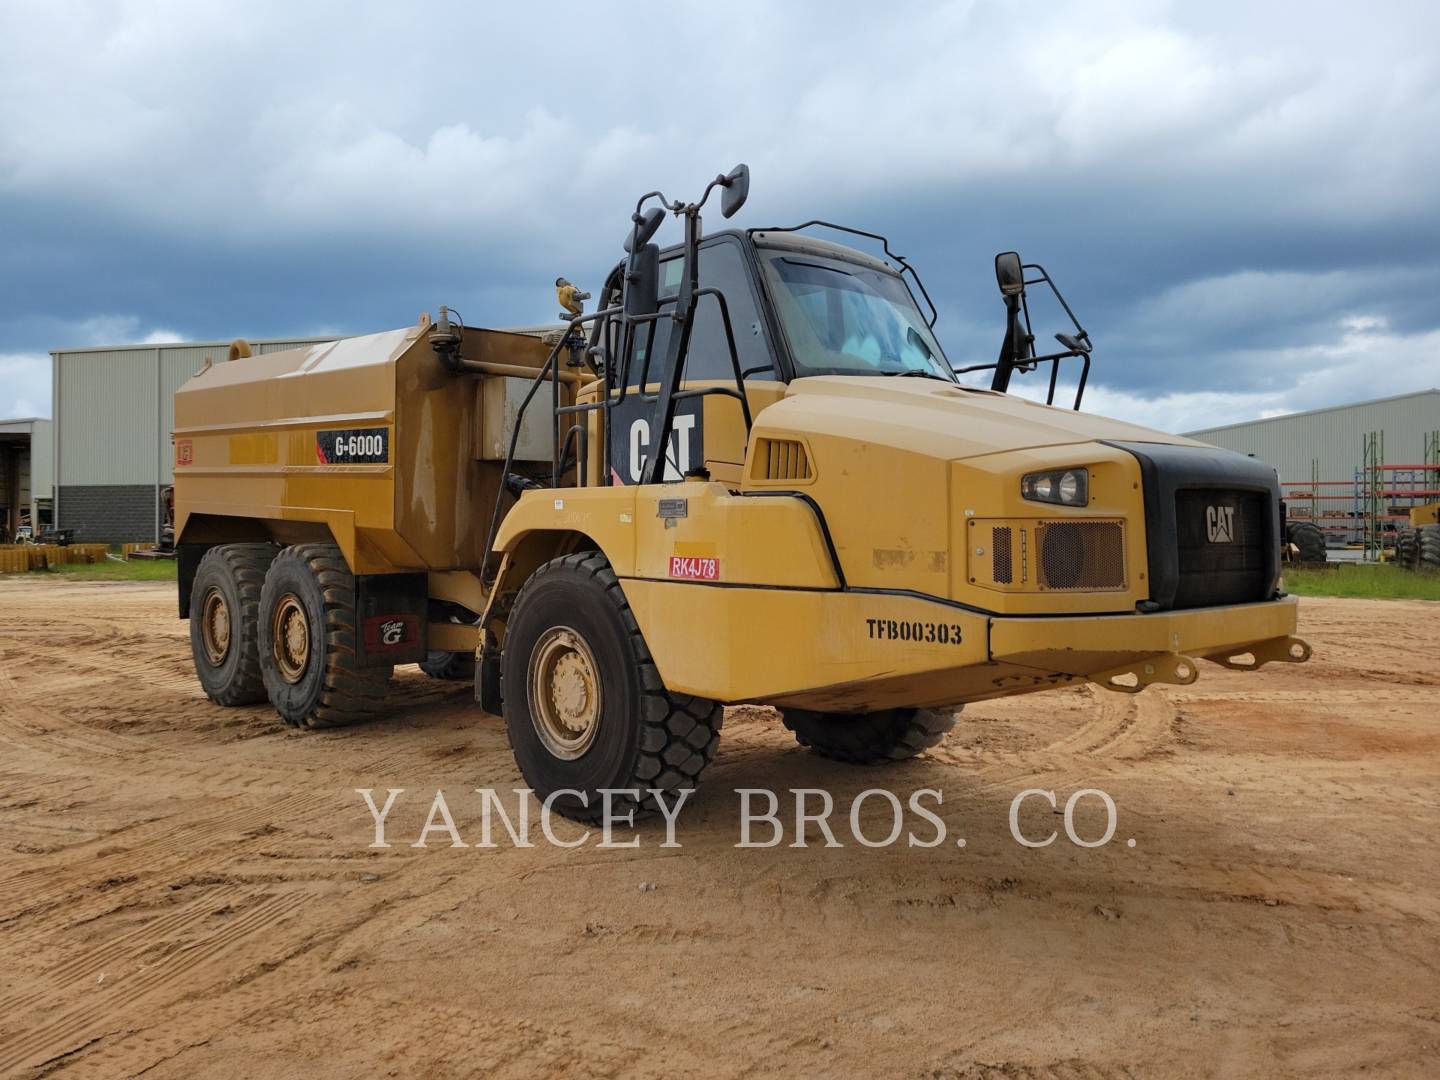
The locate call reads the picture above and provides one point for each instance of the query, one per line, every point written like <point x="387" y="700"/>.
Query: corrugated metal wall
<point x="1333" y="436"/>
<point x="107" y="417"/>
<point x="42" y="459"/>
<point x="114" y="410"/>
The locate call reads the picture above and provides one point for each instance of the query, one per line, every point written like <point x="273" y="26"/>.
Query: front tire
<point x="876" y="738"/>
<point x="308" y="641"/>
<point x="585" y="707"/>
<point x="224" y="622"/>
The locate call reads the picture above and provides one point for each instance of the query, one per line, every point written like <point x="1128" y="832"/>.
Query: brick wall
<point x="110" y="513"/>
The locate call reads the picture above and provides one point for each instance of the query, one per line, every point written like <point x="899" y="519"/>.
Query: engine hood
<point x="924" y="416"/>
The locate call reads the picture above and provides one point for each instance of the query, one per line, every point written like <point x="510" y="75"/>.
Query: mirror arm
<point x="1084" y="375"/>
<point x="1005" y="363"/>
<point x="640" y="202"/>
<point x="720" y="181"/>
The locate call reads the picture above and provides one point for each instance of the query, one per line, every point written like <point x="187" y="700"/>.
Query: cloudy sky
<point x="1242" y="203"/>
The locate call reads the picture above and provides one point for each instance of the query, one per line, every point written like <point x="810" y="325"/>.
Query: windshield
<point x="842" y="318"/>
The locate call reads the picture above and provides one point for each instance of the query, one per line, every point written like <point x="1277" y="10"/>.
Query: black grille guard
<point x="1166" y="469"/>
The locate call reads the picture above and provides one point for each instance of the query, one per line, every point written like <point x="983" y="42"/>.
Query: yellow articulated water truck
<point x="750" y="475"/>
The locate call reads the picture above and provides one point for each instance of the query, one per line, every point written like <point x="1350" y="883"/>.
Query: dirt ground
<point x="187" y="890"/>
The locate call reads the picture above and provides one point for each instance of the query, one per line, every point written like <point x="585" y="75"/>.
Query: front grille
<point x="1084" y="556"/>
<point x="1190" y="562"/>
<point x="1221" y="544"/>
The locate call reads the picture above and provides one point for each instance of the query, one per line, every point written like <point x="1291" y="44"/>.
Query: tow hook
<point x="1287" y="650"/>
<point x="1132" y="678"/>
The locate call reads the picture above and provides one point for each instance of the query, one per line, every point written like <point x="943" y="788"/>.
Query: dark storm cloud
<point x="1239" y="203"/>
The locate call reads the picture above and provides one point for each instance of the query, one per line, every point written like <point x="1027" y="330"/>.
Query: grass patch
<point x="1364" y="581"/>
<point x="112" y="570"/>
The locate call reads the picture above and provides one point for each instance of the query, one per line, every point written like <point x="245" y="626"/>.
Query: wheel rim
<point x="215" y="626"/>
<point x="290" y="638"/>
<point x="564" y="691"/>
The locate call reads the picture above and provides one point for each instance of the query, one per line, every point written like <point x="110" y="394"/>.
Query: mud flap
<point x="393" y="611"/>
<point x="487" y="676"/>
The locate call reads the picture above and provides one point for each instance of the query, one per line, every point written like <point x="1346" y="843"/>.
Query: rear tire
<point x="1428" y="545"/>
<point x="585" y="707"/>
<point x="870" y="738"/>
<point x="1309" y="538"/>
<point x="224" y="622"/>
<point x="308" y="641"/>
<point x="449" y="665"/>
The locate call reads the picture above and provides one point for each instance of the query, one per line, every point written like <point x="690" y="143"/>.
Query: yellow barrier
<point x="19" y="558"/>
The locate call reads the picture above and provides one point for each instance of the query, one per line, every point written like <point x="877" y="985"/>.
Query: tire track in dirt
<point x="157" y="850"/>
<point x="191" y="963"/>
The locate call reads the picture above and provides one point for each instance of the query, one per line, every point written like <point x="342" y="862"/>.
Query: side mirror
<point x="642" y="282"/>
<point x="644" y="228"/>
<point x="737" y="190"/>
<point x="1009" y="273"/>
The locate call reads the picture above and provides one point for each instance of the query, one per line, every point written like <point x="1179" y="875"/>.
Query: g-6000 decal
<point x="928" y="633"/>
<point x="350" y="446"/>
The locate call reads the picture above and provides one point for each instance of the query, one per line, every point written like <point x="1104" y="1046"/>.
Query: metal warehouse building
<point x="26" y="476"/>
<point x="114" y="409"/>
<point x="1334" y="436"/>
<point x="1368" y="459"/>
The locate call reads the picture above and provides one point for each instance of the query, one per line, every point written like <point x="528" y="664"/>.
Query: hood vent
<point x="780" y="459"/>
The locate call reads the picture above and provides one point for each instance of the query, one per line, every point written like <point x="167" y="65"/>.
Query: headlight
<point x="1068" y="487"/>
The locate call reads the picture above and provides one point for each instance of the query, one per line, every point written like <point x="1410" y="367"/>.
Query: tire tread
<point x="350" y="694"/>
<point x="246" y="564"/>
<point x="877" y="738"/>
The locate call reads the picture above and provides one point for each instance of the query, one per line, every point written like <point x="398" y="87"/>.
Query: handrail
<point x="552" y="369"/>
<point x="900" y="260"/>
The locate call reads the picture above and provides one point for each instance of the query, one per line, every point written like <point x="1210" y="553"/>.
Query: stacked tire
<point x="1428" y="548"/>
<point x="1407" y="548"/>
<point x="1308" y="538"/>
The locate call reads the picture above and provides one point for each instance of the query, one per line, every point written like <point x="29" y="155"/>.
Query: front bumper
<point x="1088" y="644"/>
<point x="1103" y="648"/>
<point x="856" y="651"/>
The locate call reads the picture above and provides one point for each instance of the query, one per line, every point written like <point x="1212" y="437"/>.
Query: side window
<point x="721" y="267"/>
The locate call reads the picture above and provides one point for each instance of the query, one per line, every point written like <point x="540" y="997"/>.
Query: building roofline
<point x="1313" y="412"/>
<point x="24" y="419"/>
<point x="196" y="344"/>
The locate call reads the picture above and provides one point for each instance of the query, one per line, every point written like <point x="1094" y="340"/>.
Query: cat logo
<point x="1220" y="524"/>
